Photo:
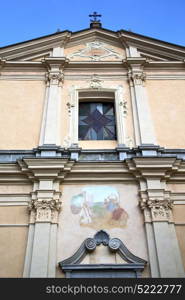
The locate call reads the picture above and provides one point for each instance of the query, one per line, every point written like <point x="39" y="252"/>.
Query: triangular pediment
<point x="94" y="44"/>
<point x="34" y="50"/>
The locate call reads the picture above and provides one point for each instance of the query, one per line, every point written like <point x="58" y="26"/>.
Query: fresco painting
<point x="99" y="207"/>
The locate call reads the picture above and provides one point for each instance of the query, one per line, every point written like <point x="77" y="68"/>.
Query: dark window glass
<point x="97" y="121"/>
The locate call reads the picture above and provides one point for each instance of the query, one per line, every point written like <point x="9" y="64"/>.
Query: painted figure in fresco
<point x="99" y="207"/>
<point x="118" y="214"/>
<point x="85" y="213"/>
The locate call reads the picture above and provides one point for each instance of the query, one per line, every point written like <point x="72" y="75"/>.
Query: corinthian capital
<point x="136" y="78"/>
<point x="157" y="210"/>
<point x="54" y="78"/>
<point x="44" y="210"/>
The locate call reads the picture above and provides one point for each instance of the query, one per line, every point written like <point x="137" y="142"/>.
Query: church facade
<point x="92" y="156"/>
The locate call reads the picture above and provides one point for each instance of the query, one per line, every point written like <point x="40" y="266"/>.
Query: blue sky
<point x="23" y="20"/>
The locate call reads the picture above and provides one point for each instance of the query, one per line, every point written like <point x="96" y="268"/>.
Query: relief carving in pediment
<point x="96" y="51"/>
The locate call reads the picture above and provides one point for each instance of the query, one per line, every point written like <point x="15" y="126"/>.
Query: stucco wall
<point x="13" y="215"/>
<point x="12" y="251"/>
<point x="180" y="231"/>
<point x="21" y="105"/>
<point x="167" y="102"/>
<point x="13" y="239"/>
<point x="179" y="219"/>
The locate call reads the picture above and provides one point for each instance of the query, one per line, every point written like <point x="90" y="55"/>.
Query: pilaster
<point x="157" y="207"/>
<point x="143" y="125"/>
<point x="44" y="208"/>
<point x="50" y="133"/>
<point x="121" y="111"/>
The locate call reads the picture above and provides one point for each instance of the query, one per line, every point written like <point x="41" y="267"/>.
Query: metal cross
<point x="95" y="15"/>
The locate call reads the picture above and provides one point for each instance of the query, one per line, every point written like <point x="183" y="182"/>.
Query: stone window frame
<point x="120" y="112"/>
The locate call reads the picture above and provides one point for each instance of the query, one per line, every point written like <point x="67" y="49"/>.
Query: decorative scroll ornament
<point x="114" y="244"/>
<point x="136" y="78"/>
<point x="54" y="78"/>
<point x="96" y="82"/>
<point x="123" y="103"/>
<point x="157" y="210"/>
<point x="102" y="238"/>
<point x="44" y="210"/>
<point x="71" y="103"/>
<point x="95" y="51"/>
<point x="69" y="107"/>
<point x="67" y="141"/>
<point x="129" y="142"/>
<point x="90" y="244"/>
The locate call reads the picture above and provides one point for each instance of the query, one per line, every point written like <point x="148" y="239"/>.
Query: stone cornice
<point x="139" y="40"/>
<point x="45" y="168"/>
<point x="135" y="61"/>
<point x="122" y="39"/>
<point x="64" y="169"/>
<point x="34" y="46"/>
<point x="99" y="171"/>
<point x="64" y="63"/>
<point x="152" y="166"/>
<point x="53" y="62"/>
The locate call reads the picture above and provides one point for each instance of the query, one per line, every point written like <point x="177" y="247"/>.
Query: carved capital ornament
<point x="156" y="210"/>
<point x="136" y="78"/>
<point x="44" y="210"/>
<point x="54" y="78"/>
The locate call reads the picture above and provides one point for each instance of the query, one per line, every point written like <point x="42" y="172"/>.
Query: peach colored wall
<point x="13" y="240"/>
<point x="167" y="105"/>
<point x="176" y="187"/>
<point x="14" y="215"/>
<point x="21" y="113"/>
<point x="179" y="213"/>
<point x="179" y="219"/>
<point x="15" y="189"/>
<point x="180" y="231"/>
<point x="12" y="251"/>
